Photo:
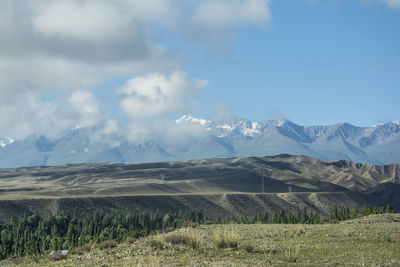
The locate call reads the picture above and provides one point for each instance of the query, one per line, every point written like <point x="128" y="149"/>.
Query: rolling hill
<point x="230" y="186"/>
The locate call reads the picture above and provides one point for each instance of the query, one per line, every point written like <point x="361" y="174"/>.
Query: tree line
<point x="37" y="235"/>
<point x="341" y="214"/>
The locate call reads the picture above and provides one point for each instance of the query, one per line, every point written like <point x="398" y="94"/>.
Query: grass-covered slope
<point x="370" y="241"/>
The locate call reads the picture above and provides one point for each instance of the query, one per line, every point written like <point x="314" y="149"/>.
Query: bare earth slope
<point x="230" y="186"/>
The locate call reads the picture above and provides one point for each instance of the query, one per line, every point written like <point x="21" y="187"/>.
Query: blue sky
<point x="66" y="64"/>
<point x="321" y="63"/>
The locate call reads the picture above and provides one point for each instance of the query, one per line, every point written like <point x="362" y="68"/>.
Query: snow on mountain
<point x="378" y="144"/>
<point x="188" y="118"/>
<point x="245" y="127"/>
<point x="5" y="141"/>
<point x="305" y="134"/>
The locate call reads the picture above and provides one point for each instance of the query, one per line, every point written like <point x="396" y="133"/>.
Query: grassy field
<point x="369" y="241"/>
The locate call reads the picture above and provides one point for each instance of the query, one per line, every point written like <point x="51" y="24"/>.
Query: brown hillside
<point x="229" y="186"/>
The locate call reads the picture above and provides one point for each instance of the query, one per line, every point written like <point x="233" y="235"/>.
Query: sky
<point x="128" y="64"/>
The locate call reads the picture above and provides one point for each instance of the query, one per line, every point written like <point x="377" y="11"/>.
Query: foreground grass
<point x="370" y="241"/>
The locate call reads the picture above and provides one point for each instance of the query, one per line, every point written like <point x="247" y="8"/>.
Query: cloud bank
<point x="156" y="94"/>
<point x="54" y="53"/>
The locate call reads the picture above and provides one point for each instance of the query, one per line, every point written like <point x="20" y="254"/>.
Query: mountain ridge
<point x="201" y="138"/>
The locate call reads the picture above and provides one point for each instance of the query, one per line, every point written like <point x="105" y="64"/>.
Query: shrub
<point x="225" y="240"/>
<point x="107" y="244"/>
<point x="131" y="240"/>
<point x="136" y="233"/>
<point x="177" y="239"/>
<point x="191" y="241"/>
<point x="190" y="224"/>
<point x="169" y="229"/>
<point x="81" y="250"/>
<point x="156" y="243"/>
<point x="272" y="250"/>
<point x="388" y="239"/>
<point x="249" y="248"/>
<point x="194" y="242"/>
<point x="57" y="256"/>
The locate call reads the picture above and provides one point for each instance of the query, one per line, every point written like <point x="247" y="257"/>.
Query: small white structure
<point x="63" y="252"/>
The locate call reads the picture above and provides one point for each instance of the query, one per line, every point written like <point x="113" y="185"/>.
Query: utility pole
<point x="262" y="183"/>
<point x="262" y="173"/>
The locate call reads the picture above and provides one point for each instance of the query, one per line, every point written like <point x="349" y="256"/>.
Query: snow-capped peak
<point x="249" y="131"/>
<point x="76" y="127"/>
<point x="245" y="127"/>
<point x="281" y="122"/>
<point x="188" y="118"/>
<point x="4" y="141"/>
<point x="383" y="123"/>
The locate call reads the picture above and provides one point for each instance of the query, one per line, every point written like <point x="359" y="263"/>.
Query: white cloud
<point x="391" y="3"/>
<point x="213" y="22"/>
<point x="111" y="127"/>
<point x="65" y="48"/>
<point x="222" y="113"/>
<point x="232" y="13"/>
<point x="394" y="4"/>
<point x="276" y="114"/>
<point x="157" y="94"/>
<point x="53" y="45"/>
<point x="161" y="131"/>
<point x="31" y="115"/>
<point x="86" y="104"/>
<point x="71" y="19"/>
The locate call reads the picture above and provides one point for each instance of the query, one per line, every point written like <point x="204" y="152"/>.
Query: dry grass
<point x="56" y="257"/>
<point x="81" y="250"/>
<point x="131" y="240"/>
<point x="156" y="243"/>
<point x="177" y="239"/>
<point x="225" y="239"/>
<point x="191" y="240"/>
<point x="249" y="248"/>
<point x="107" y="244"/>
<point x="370" y="241"/>
<point x="194" y="241"/>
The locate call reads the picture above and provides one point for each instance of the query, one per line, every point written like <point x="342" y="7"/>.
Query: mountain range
<point x="378" y="144"/>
